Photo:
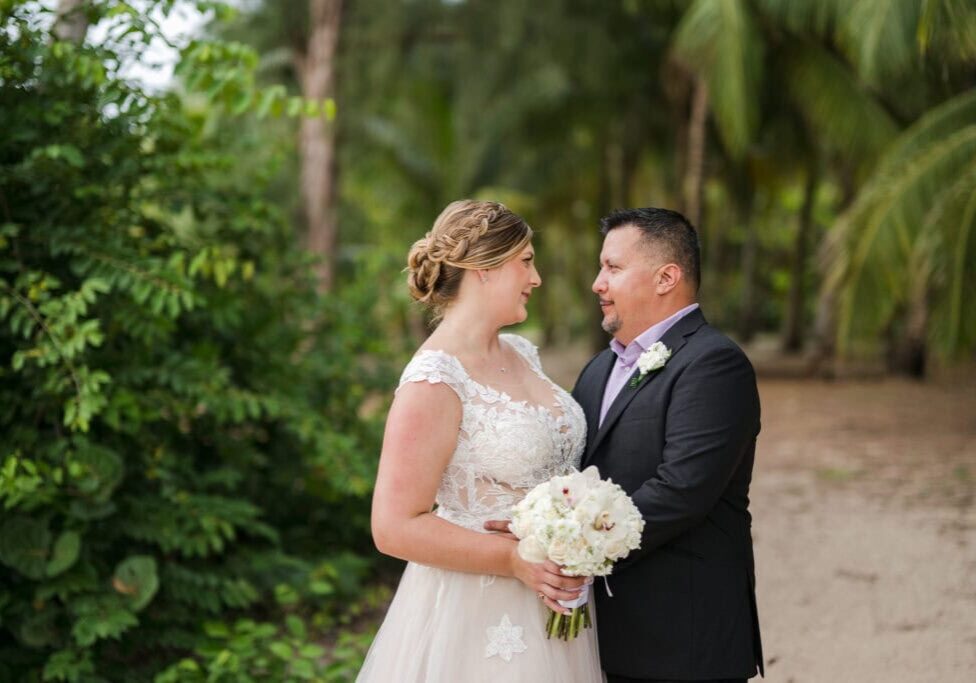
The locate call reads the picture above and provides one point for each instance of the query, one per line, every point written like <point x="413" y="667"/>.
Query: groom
<point x="680" y="440"/>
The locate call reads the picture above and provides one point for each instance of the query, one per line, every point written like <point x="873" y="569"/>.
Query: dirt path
<point x="865" y="531"/>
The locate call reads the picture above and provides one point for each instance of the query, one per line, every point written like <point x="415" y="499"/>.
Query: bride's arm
<point x="421" y="435"/>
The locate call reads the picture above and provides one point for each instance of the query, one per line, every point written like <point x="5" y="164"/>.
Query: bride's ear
<point x="483" y="276"/>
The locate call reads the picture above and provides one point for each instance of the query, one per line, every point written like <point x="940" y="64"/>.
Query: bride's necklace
<point x="504" y="377"/>
<point x="489" y="365"/>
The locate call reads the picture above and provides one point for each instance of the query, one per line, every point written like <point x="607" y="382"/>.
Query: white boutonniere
<point x="652" y="359"/>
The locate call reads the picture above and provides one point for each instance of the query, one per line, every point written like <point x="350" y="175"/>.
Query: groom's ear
<point x="668" y="277"/>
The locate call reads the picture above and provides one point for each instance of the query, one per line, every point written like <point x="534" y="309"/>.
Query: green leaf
<point x="294" y="106"/>
<point x="303" y="669"/>
<point x="270" y="102"/>
<point x="98" y="617"/>
<point x="100" y="471"/>
<point x="69" y="665"/>
<point x="80" y="578"/>
<point x="321" y="587"/>
<point x="311" y="651"/>
<point x="71" y="154"/>
<point x="87" y="511"/>
<point x="285" y="594"/>
<point x="281" y="649"/>
<point x="40" y="628"/>
<point x="242" y="103"/>
<point x="216" y="629"/>
<point x="295" y="626"/>
<point x="65" y="553"/>
<point x="136" y="578"/>
<point x="24" y="546"/>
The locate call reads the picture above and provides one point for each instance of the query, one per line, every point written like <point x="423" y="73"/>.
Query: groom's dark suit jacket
<point x="682" y="445"/>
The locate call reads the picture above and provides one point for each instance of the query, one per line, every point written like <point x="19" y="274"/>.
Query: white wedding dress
<point x="454" y="627"/>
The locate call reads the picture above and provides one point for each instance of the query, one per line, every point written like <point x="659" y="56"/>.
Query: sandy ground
<point x="865" y="531"/>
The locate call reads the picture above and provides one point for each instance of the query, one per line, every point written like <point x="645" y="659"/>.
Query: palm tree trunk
<point x="749" y="262"/>
<point x="793" y="329"/>
<point x="824" y="334"/>
<point x="604" y="203"/>
<point x="71" y="23"/>
<point x="908" y="343"/>
<point x="694" y="170"/>
<point x="825" y="319"/>
<point x="317" y="69"/>
<point x="628" y="167"/>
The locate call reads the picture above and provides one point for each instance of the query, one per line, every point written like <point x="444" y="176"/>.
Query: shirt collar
<point x="628" y="355"/>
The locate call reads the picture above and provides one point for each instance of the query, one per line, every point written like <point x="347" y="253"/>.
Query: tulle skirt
<point x="452" y="627"/>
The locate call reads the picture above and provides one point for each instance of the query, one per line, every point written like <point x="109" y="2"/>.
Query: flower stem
<point x="568" y="626"/>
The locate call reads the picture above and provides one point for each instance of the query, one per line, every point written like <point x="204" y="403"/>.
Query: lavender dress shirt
<point x="627" y="357"/>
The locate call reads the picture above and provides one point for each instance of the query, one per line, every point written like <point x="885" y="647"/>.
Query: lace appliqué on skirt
<point x="504" y="640"/>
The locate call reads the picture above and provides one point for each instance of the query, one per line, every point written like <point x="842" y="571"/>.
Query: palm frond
<point x="498" y="118"/>
<point x="879" y="37"/>
<point x="947" y="29"/>
<point x="838" y="109"/>
<point x="935" y="124"/>
<point x="959" y="261"/>
<point x="415" y="164"/>
<point x="720" y="41"/>
<point x="910" y="230"/>
<point x="805" y="17"/>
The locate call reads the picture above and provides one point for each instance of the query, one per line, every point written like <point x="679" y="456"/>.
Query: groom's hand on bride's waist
<point x="501" y="526"/>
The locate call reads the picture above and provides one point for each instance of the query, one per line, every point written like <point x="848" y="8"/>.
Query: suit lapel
<point x="674" y="339"/>
<point x="602" y="368"/>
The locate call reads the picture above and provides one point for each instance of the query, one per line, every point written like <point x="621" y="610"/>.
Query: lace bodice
<point x="504" y="447"/>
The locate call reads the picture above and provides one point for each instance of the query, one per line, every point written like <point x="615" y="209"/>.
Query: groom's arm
<point x="712" y="419"/>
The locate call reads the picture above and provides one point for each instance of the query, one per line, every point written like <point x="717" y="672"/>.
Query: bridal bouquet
<point x="582" y="523"/>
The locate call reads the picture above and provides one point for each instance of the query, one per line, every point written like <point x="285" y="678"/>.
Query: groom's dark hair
<point x="666" y="230"/>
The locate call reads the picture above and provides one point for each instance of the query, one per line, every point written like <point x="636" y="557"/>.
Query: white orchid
<point x="579" y="521"/>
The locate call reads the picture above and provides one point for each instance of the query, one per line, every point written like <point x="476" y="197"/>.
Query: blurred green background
<point x="202" y="309"/>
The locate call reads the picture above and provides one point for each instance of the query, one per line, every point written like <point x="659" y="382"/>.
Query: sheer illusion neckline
<point x="504" y="395"/>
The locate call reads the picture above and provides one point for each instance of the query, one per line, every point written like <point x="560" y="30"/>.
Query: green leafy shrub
<point x="180" y="427"/>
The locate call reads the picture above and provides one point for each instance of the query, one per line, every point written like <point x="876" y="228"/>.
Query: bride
<point x="475" y="424"/>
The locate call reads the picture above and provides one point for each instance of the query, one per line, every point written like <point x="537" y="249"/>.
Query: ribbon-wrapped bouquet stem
<point x="581" y="523"/>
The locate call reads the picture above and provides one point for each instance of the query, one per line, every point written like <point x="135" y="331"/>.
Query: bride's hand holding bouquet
<point x="581" y="523"/>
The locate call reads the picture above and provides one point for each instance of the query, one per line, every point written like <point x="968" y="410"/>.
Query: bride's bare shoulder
<point x="441" y="343"/>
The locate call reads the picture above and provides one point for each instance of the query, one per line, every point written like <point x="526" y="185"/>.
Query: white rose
<point x="559" y="551"/>
<point x="530" y="550"/>
<point x="617" y="548"/>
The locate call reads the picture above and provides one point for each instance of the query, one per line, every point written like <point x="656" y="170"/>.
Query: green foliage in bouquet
<point x="180" y="412"/>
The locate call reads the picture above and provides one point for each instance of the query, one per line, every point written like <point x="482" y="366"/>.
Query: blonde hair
<point x="468" y="235"/>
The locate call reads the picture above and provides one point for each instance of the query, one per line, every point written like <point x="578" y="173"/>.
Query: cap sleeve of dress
<point x="435" y="367"/>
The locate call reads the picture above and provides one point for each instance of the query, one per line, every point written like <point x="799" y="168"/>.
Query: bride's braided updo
<point x="468" y="235"/>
